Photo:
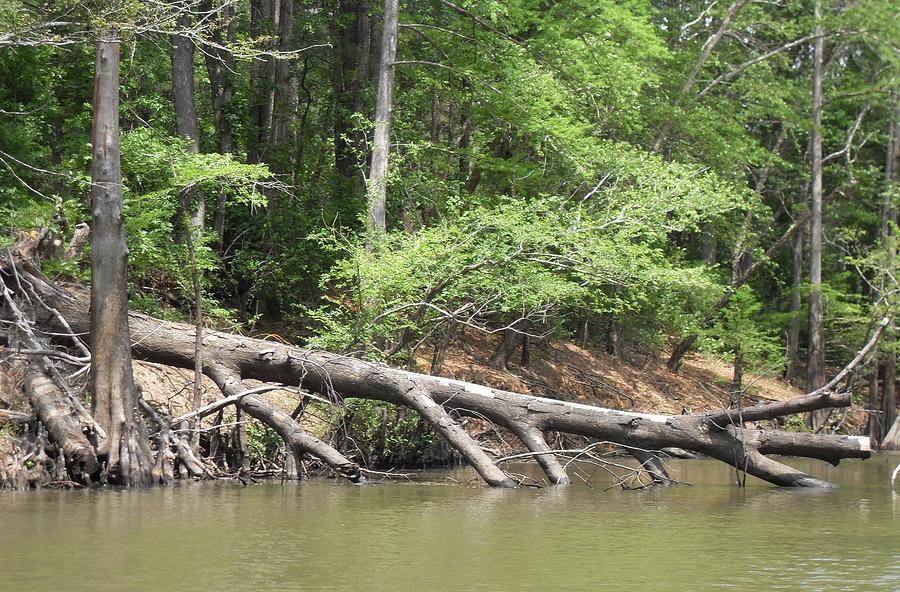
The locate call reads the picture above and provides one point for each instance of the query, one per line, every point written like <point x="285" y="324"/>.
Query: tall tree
<point x="351" y="37"/>
<point x="220" y="70"/>
<point x="184" y="98"/>
<point x="263" y="29"/>
<point x="815" y="370"/>
<point x="114" y="403"/>
<point x="888" y="228"/>
<point x="377" y="190"/>
<point x="284" y="95"/>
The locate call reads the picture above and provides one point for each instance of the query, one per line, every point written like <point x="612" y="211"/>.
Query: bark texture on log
<point x="718" y="435"/>
<point x="60" y="419"/>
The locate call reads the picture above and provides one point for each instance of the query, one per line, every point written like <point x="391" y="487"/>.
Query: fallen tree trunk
<point x="236" y="358"/>
<point x="58" y="416"/>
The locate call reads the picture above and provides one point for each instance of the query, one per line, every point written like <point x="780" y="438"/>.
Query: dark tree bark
<point x="793" y="333"/>
<point x="284" y="97"/>
<point x="873" y="427"/>
<point x="114" y="404"/>
<point x="351" y="37"/>
<point x="613" y="347"/>
<point x="815" y="368"/>
<point x="513" y="337"/>
<point x="263" y="23"/>
<point x="384" y="104"/>
<point x="708" y="245"/>
<point x="184" y="98"/>
<point x="219" y="67"/>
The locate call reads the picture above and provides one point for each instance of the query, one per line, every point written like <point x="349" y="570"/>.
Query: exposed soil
<point x="637" y="382"/>
<point x="559" y="370"/>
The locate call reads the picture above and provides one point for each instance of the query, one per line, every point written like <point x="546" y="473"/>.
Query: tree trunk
<point x="263" y="23"/>
<point x="61" y="420"/>
<point x="888" y="224"/>
<point x="184" y="98"/>
<point x="513" y="337"/>
<point x="220" y="66"/>
<point x="125" y="450"/>
<point x="793" y="334"/>
<point x="284" y="97"/>
<point x="351" y="38"/>
<point x="612" y="337"/>
<point x="718" y="435"/>
<point x="737" y="380"/>
<point x="815" y="369"/>
<point x="873" y="427"/>
<point x="582" y="332"/>
<point x="377" y="190"/>
<point x="708" y="245"/>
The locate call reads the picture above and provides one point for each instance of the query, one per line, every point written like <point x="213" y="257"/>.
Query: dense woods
<point x="377" y="180"/>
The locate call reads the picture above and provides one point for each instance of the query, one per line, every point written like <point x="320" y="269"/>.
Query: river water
<point x="323" y="535"/>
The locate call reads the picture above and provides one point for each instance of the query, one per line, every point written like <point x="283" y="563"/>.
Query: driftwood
<point x="229" y="359"/>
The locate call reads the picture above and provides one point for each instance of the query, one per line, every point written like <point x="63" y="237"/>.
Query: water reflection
<point x="324" y="535"/>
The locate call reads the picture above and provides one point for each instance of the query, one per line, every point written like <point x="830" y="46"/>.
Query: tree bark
<point x="61" y="420"/>
<point x="612" y="337"/>
<point x="284" y="97"/>
<point x="377" y="189"/>
<point x="873" y="423"/>
<point x="350" y="77"/>
<point x="114" y="405"/>
<point x="793" y="333"/>
<point x="888" y="225"/>
<point x="708" y="244"/>
<point x="263" y="22"/>
<point x="737" y="380"/>
<point x="219" y="67"/>
<point x="815" y="368"/>
<point x="513" y="337"/>
<point x="187" y="127"/>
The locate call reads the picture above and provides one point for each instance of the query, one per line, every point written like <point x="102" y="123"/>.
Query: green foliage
<point x="156" y="170"/>
<point x="388" y="435"/>
<point x="523" y="182"/>
<point x="262" y="441"/>
<point x="537" y="260"/>
<point x="742" y="327"/>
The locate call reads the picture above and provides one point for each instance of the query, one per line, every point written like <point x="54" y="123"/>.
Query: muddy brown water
<point x="322" y="535"/>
